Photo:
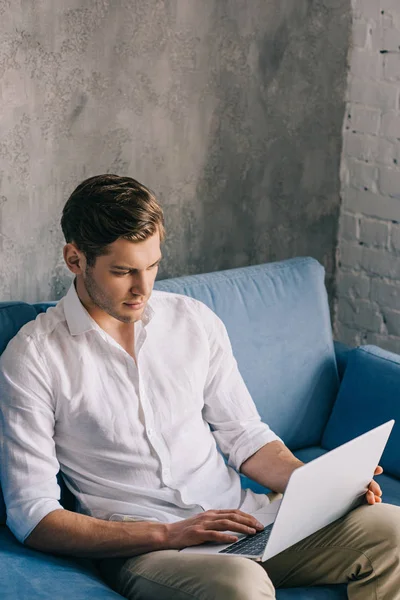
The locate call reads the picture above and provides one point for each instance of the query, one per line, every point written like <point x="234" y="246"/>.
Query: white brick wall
<point x="368" y="275"/>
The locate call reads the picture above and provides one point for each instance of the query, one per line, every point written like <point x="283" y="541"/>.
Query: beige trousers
<point x="361" y="549"/>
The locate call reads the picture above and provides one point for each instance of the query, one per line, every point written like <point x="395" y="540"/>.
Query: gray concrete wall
<point x="231" y="110"/>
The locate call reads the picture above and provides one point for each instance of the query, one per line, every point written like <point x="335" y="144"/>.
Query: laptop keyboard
<point x="252" y="544"/>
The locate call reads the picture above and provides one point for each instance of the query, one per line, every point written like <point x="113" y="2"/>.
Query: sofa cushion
<point x="12" y="316"/>
<point x="277" y="317"/>
<point x="25" y="573"/>
<point x="368" y="396"/>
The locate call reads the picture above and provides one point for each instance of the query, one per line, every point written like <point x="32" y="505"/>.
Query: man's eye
<point x="119" y="274"/>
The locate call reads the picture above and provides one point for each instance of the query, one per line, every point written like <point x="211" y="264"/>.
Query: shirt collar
<point x="78" y="318"/>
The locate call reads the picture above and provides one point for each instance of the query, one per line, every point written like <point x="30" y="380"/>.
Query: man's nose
<point x="141" y="287"/>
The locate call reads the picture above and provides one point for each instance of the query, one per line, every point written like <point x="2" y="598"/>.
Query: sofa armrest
<point x="342" y="352"/>
<point x="369" y="395"/>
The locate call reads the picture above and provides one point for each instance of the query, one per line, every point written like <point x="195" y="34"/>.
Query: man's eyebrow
<point x="123" y="268"/>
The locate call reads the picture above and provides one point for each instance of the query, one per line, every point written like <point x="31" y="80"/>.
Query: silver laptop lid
<point x="326" y="488"/>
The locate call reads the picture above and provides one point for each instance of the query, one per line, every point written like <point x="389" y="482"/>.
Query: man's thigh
<point x="362" y="545"/>
<point x="171" y="575"/>
<point x="360" y="549"/>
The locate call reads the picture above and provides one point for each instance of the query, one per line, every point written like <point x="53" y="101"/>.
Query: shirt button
<point x="149" y="432"/>
<point x="165" y="471"/>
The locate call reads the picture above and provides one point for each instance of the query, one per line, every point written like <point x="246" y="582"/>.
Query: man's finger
<point x="375" y="488"/>
<point x="378" y="470"/>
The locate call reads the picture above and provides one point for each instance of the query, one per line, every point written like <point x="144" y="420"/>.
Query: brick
<point x="364" y="120"/>
<point x="389" y="182"/>
<point x="389" y="5"/>
<point x="359" y="33"/>
<point x="354" y="284"/>
<point x="391" y="69"/>
<point x="385" y="294"/>
<point x="391" y="39"/>
<point x="361" y="145"/>
<point x="362" y="175"/>
<point x="374" y="232"/>
<point x="395" y="237"/>
<point x="366" y="64"/>
<point x="390" y="126"/>
<point x="346" y="310"/>
<point x="382" y="95"/>
<point x="371" y="148"/>
<point x="346" y="335"/>
<point x="375" y="36"/>
<point x="350" y="254"/>
<point x="359" y="315"/>
<point x="368" y="317"/>
<point x="387" y="21"/>
<point x="366" y="9"/>
<point x="380" y="262"/>
<point x="371" y="204"/>
<point x="344" y="173"/>
<point x="349" y="226"/>
<point x="391" y="15"/>
<point x="392" y="321"/>
<point x="388" y="151"/>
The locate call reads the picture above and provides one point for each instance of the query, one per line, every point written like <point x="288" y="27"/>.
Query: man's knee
<point x="381" y="524"/>
<point x="239" y="579"/>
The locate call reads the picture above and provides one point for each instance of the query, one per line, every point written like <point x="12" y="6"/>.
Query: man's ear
<point x="74" y="258"/>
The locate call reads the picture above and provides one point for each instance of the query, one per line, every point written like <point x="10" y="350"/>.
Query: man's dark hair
<point x="107" y="207"/>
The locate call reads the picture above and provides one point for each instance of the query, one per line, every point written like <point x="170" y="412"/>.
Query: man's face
<point x="123" y="278"/>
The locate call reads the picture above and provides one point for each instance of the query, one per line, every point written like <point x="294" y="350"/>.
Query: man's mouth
<point x="134" y="305"/>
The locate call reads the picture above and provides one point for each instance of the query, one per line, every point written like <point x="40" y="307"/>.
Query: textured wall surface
<point x="230" y="110"/>
<point x="368" y="281"/>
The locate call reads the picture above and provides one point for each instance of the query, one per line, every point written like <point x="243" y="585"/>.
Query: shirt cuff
<point x="23" y="522"/>
<point x="254" y="440"/>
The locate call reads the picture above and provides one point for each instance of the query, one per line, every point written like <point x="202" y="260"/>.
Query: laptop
<point x="317" y="494"/>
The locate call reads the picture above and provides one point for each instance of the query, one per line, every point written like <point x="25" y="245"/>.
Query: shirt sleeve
<point x="28" y="464"/>
<point x="228" y="405"/>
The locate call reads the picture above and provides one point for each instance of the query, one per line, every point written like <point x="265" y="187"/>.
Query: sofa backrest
<point x="277" y="317"/>
<point x="12" y="316"/>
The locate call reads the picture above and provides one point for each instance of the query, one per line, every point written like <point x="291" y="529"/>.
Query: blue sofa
<point x="314" y="393"/>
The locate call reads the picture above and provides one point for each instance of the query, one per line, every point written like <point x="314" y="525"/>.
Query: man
<point x="127" y="391"/>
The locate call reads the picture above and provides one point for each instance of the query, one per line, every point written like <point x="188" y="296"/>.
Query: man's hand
<point x="374" y="491"/>
<point x="207" y="527"/>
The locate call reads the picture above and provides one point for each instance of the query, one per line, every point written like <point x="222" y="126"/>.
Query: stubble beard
<point x="101" y="300"/>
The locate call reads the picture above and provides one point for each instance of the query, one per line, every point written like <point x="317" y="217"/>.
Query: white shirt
<point x="131" y="440"/>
